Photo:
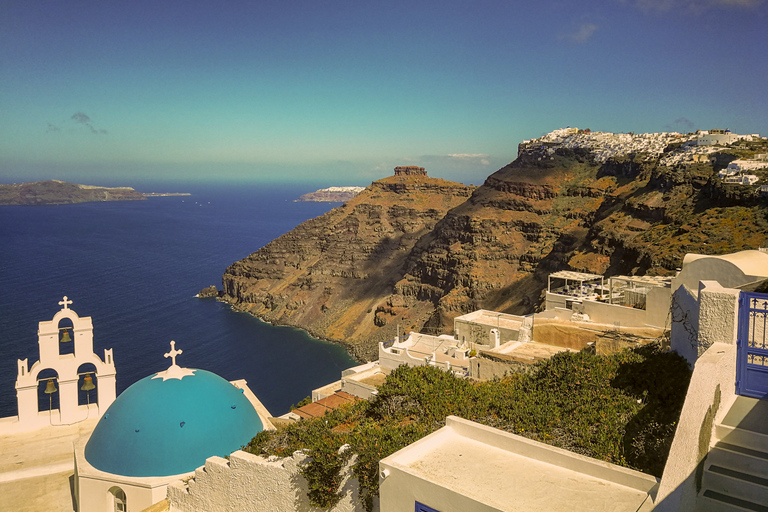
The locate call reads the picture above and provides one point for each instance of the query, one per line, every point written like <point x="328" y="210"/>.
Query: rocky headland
<point x="60" y="192"/>
<point x="413" y="252"/>
<point x="332" y="194"/>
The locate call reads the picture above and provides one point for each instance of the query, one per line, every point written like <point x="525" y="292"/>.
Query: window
<point x="420" y="507"/>
<point x="118" y="500"/>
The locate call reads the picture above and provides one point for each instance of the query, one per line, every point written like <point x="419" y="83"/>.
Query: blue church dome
<point x="162" y="426"/>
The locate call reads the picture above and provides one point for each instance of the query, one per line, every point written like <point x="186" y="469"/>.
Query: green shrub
<point x="622" y="409"/>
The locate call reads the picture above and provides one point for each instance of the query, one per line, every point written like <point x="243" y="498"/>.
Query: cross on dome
<point x="173" y="353"/>
<point x="65" y="303"/>
<point x="174" y="371"/>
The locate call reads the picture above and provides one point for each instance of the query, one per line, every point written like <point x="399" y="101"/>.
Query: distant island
<point x="166" y="194"/>
<point x="60" y="192"/>
<point x="332" y="194"/>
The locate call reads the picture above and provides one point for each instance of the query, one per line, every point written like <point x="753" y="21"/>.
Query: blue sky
<point x="339" y="92"/>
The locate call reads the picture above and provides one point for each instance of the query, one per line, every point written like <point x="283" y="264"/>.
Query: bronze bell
<point x="88" y="383"/>
<point x="50" y="387"/>
<point x="65" y="337"/>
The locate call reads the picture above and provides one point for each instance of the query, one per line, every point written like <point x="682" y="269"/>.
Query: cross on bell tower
<point x="65" y="303"/>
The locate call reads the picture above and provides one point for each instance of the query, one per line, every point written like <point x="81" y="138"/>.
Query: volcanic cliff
<point x="414" y="252"/>
<point x="329" y="274"/>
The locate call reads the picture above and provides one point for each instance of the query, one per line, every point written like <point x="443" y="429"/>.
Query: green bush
<point x="622" y="409"/>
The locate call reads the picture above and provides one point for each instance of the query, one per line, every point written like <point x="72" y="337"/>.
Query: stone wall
<point x="248" y="483"/>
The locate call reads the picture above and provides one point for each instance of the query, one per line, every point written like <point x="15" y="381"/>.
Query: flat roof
<point x="575" y="276"/>
<point x="324" y="405"/>
<point x="651" y="280"/>
<point x="493" y="318"/>
<point x="512" y="473"/>
<point x="36" y="467"/>
<point x="530" y="351"/>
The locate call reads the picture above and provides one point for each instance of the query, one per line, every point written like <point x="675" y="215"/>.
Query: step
<point x="711" y="501"/>
<point x="748" y="414"/>
<point x="740" y="437"/>
<point x="739" y="458"/>
<point x="737" y="484"/>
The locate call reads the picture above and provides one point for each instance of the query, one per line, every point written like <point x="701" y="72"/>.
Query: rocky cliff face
<point x="331" y="275"/>
<point x="60" y="192"/>
<point x="416" y="254"/>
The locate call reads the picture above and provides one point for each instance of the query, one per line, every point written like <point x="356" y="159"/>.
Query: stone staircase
<point x="735" y="476"/>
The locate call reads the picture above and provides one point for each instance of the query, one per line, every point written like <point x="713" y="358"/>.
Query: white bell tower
<point x="64" y="373"/>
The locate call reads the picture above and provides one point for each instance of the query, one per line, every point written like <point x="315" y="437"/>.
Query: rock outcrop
<point x="210" y="291"/>
<point x="61" y="192"/>
<point x="414" y="253"/>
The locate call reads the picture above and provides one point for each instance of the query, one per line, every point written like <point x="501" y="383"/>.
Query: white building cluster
<point x="356" y="190"/>
<point x="736" y="171"/>
<point x="605" y="145"/>
<point x="695" y="147"/>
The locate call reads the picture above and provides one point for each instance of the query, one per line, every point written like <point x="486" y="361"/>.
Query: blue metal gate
<point x="752" y="363"/>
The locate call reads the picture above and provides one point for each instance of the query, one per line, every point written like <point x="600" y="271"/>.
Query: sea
<point x="135" y="267"/>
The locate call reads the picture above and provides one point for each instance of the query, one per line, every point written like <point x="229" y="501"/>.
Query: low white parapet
<point x="249" y="483"/>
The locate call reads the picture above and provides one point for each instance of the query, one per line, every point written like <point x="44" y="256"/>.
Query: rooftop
<point x="324" y="405"/>
<point x="519" y="474"/>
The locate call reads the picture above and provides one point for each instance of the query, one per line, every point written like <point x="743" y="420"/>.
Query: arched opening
<point x="47" y="390"/>
<point x="87" y="384"/>
<point x="117" y="501"/>
<point x="66" y="337"/>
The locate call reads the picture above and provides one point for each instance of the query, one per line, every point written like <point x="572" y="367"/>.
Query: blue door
<point x="752" y="363"/>
<point x="420" y="507"/>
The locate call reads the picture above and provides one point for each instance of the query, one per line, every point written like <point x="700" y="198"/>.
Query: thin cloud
<point x="52" y="128"/>
<point x="85" y="120"/>
<point x="583" y="33"/>
<point x="81" y="118"/>
<point x="681" y="124"/>
<point x="480" y="157"/>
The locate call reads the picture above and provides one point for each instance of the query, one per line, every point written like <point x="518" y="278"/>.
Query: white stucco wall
<point x="612" y="314"/>
<point x="730" y="270"/>
<point x="718" y="315"/>
<point x="92" y="486"/>
<point x="698" y="321"/>
<point x="248" y="483"/>
<point x="479" y="333"/>
<point x="684" y="331"/>
<point x="704" y="332"/>
<point x="713" y="381"/>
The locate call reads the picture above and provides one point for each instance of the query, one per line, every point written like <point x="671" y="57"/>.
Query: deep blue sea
<point x="135" y="267"/>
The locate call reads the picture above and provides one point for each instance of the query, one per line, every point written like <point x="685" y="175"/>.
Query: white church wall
<point x="248" y="483"/>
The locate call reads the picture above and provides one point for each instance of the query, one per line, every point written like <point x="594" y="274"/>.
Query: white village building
<point x="722" y="137"/>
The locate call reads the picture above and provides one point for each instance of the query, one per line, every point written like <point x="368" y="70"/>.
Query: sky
<point x="339" y="92"/>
